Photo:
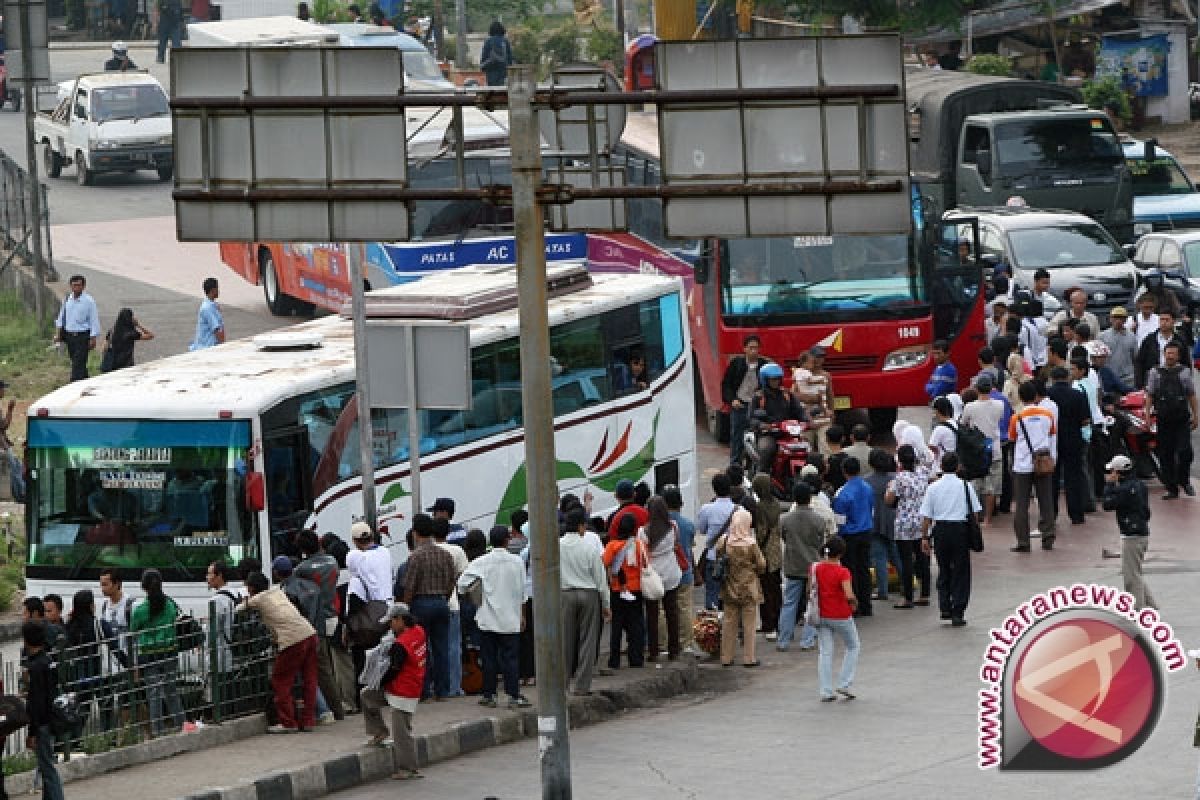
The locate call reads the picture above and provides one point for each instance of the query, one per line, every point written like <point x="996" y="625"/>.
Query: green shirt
<point x="155" y="634"/>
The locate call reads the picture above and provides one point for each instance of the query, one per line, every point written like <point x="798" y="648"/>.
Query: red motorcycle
<point x="791" y="452"/>
<point x="1135" y="435"/>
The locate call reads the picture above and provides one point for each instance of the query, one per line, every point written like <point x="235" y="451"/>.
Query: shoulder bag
<point x="652" y="583"/>
<point x="974" y="532"/>
<point x="702" y="564"/>
<point x="1043" y="459"/>
<point x="812" y="611"/>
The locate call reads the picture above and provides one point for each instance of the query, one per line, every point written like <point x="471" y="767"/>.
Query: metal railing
<point x="16" y="226"/>
<point x="154" y="682"/>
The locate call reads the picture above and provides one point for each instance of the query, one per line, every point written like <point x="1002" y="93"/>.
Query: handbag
<point x="652" y="583"/>
<point x="812" y="611"/>
<point x="364" y="626"/>
<point x="1043" y="459"/>
<point x="974" y="532"/>
<point x="13" y="715"/>
<point x="720" y="569"/>
<point x="702" y="564"/>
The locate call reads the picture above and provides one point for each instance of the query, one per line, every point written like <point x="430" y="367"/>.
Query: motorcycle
<point x="791" y="452"/>
<point x="1134" y="435"/>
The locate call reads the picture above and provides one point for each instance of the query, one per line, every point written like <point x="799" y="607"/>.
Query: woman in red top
<point x="836" y="601"/>
<point x="624" y="557"/>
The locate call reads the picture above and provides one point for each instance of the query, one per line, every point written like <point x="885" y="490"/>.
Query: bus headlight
<point x="905" y="357"/>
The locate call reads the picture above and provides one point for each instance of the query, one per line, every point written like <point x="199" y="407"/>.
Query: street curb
<point x="371" y="764"/>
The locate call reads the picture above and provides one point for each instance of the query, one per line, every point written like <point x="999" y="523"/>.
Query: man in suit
<point x="1069" y="473"/>
<point x="1150" y="352"/>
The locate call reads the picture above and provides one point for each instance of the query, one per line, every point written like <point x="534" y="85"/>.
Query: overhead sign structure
<point x="16" y="14"/>
<point x="308" y="136"/>
<point x="837" y="138"/>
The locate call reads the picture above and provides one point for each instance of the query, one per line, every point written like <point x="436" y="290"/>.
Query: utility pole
<point x="362" y="380"/>
<point x="553" y="743"/>
<point x="460" y="34"/>
<point x="29" y="89"/>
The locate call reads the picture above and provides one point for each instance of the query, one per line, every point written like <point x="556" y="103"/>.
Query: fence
<point x="16" y="227"/>
<point x="136" y="686"/>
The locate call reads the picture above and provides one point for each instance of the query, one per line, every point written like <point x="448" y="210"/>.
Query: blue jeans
<point x="499" y="653"/>
<point x="454" y="654"/>
<point x="739" y="421"/>
<point x="712" y="588"/>
<point x="433" y="613"/>
<point x="158" y="675"/>
<point x="52" y="788"/>
<point x="171" y="29"/>
<point x="16" y="475"/>
<point x="883" y="550"/>
<point x="795" y="599"/>
<point x="848" y="633"/>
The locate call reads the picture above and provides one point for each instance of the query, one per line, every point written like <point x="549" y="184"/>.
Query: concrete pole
<point x="460" y="34"/>
<point x="362" y="379"/>
<point x="542" y="486"/>
<point x="31" y="165"/>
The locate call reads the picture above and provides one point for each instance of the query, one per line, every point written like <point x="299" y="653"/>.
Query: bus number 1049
<point x="909" y="332"/>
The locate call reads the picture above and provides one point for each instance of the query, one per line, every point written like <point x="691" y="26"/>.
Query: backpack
<point x="249" y="637"/>
<point x="306" y="597"/>
<point x="1170" y="399"/>
<point x="974" y="450"/>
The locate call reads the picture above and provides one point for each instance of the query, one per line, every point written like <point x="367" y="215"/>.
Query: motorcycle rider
<point x="120" y="61"/>
<point x="777" y="405"/>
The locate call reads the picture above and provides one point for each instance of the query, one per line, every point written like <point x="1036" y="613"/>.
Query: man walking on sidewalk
<point x="499" y="578"/>
<point x="1031" y="430"/>
<point x="585" y="600"/>
<point x="78" y="326"/>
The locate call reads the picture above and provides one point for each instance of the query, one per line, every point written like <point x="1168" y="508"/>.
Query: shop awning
<point x="1009" y="17"/>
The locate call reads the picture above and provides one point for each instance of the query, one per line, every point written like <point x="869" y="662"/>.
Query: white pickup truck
<point x="107" y="122"/>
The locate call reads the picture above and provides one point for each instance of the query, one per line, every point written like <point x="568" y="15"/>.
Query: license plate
<point x="841" y="403"/>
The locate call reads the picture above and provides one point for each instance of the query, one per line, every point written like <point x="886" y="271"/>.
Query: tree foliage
<point x="1099" y="93"/>
<point x="562" y="45"/>
<point x="990" y="64"/>
<point x="604" y="44"/>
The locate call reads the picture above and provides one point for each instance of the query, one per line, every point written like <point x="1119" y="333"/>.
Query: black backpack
<point x="974" y="450"/>
<point x="249" y="637"/>
<point x="305" y="596"/>
<point x="1170" y="399"/>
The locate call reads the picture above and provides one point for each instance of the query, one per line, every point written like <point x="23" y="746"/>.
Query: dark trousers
<point x="1174" y="449"/>
<point x="628" y="618"/>
<point x="327" y="678"/>
<point x="526" y="660"/>
<point x="499" y="652"/>
<point x="77" y="349"/>
<point x="1005" y="502"/>
<point x="433" y="612"/>
<point x="298" y="659"/>
<point x="858" y="561"/>
<point x="907" y="548"/>
<point x="954" y="567"/>
<point x="768" y="610"/>
<point x="52" y="787"/>
<point x="169" y="29"/>
<point x="921" y="572"/>
<point x="670" y="607"/>
<point x="1071" y="478"/>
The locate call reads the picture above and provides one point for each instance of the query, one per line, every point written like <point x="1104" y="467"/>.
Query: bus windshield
<point x="848" y="276"/>
<point x="139" y="493"/>
<point x="1053" y="143"/>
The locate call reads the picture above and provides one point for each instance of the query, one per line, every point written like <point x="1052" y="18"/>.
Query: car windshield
<point x="818" y="275"/>
<point x="420" y="66"/>
<point x="1079" y="245"/>
<point x="1026" y="145"/>
<point x="129" y="102"/>
<point x="135" y="493"/>
<point x="1160" y="176"/>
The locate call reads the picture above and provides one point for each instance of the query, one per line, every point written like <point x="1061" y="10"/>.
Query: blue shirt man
<point x="210" y="325"/>
<point x="710" y="522"/>
<point x="687" y="530"/>
<point x="855" y="502"/>
<point x="944" y="380"/>
<point x="77" y="326"/>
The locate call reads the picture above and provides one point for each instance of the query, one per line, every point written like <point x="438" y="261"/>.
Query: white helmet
<point x="120" y="47"/>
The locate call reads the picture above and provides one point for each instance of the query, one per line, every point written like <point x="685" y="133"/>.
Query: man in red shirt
<point x="400" y="657"/>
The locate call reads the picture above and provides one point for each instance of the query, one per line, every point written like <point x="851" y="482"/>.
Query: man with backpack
<point x="1171" y="395"/>
<point x="978" y="444"/>
<point x="321" y="570"/>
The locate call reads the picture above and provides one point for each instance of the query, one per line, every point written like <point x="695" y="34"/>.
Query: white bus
<point x="225" y="453"/>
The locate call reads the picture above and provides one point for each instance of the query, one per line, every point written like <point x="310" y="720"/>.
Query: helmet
<point x="120" y="47"/>
<point x="769" y="371"/>
<point x="1120" y="464"/>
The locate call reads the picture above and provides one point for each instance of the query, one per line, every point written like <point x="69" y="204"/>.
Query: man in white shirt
<point x="944" y="512"/>
<point x="501" y="583"/>
<point x="1077" y="310"/>
<point x="370" y="566"/>
<point x="984" y="414"/>
<point x="944" y="436"/>
<point x="1146" y="321"/>
<point x="78" y="326"/>
<point x="441" y="530"/>
<point x="1031" y="429"/>
<point x="585" y="600"/>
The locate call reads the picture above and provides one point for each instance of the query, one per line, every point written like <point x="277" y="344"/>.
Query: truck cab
<point x="108" y="122"/>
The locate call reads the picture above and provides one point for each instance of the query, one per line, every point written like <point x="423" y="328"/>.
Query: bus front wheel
<point x="278" y="303"/>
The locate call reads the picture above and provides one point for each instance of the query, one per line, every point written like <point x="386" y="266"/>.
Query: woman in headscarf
<point x="913" y="438"/>
<point x="740" y="591"/>
<point x="767" y="534"/>
<point x="1015" y="370"/>
<point x="125" y="332"/>
<point x="898" y="429"/>
<point x="660" y="536"/>
<point x="905" y="493"/>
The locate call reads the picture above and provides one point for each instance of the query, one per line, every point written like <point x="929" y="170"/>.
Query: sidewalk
<point x="247" y="763"/>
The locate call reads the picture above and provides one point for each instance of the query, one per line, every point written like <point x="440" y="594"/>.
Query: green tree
<point x="1099" y="93"/>
<point x="562" y="45"/>
<point x="990" y="64"/>
<point x="526" y="47"/>
<point x="604" y="44"/>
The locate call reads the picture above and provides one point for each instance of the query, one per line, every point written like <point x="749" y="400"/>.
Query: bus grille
<point x="837" y="363"/>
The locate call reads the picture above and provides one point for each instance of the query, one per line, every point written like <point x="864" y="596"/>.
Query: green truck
<point x="980" y="141"/>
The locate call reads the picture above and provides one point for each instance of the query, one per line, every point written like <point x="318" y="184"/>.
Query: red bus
<point x="876" y="303"/>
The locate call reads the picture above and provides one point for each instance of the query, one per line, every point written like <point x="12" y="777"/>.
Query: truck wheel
<point x="278" y="303"/>
<point x="166" y="173"/>
<point x="52" y="161"/>
<point x="83" y="175"/>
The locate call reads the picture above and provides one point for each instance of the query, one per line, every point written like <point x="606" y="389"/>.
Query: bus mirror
<point x="1149" y="154"/>
<point x="255" y="491"/>
<point x="701" y="271"/>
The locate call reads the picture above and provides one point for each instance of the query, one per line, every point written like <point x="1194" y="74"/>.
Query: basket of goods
<point x="707" y="631"/>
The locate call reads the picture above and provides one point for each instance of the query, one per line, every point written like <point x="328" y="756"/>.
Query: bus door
<point x="289" y="463"/>
<point x="958" y="292"/>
